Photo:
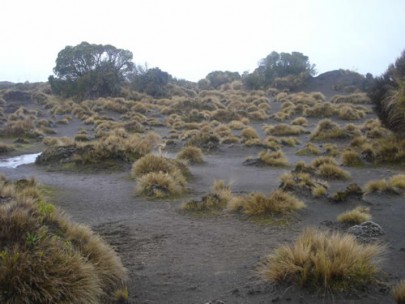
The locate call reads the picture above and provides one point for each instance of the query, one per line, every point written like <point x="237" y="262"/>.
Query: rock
<point x="366" y="230"/>
<point x="54" y="155"/>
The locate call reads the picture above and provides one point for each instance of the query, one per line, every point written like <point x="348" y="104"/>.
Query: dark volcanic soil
<point x="176" y="258"/>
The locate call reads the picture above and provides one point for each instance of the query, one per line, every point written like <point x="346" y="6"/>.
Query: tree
<point x="152" y="82"/>
<point x="279" y="65"/>
<point x="388" y="95"/>
<point x="218" y="78"/>
<point x="91" y="70"/>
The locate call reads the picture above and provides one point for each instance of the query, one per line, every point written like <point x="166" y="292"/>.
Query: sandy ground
<point x="176" y="258"/>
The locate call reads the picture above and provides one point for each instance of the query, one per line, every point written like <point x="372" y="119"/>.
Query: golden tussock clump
<point x="249" y="133"/>
<point x="276" y="158"/>
<point x="351" y="158"/>
<point x="393" y="185"/>
<point x="192" y="154"/>
<point x="277" y="202"/>
<point x="215" y="201"/>
<point x="300" y="121"/>
<point x="398" y="292"/>
<point x="356" y="216"/>
<point x="159" y="177"/>
<point x="323" y="261"/>
<point x="283" y="130"/>
<point x="47" y="258"/>
<point x="328" y="129"/>
<point x="309" y="149"/>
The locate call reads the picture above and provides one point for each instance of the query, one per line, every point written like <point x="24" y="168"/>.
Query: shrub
<point x="324" y="261"/>
<point x="356" y="216"/>
<point x="398" y="291"/>
<point x="192" y="154"/>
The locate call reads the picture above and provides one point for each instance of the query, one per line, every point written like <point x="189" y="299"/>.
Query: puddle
<point x="14" y="162"/>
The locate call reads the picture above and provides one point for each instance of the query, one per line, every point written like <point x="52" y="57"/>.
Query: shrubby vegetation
<point x="388" y="95"/>
<point x="280" y="69"/>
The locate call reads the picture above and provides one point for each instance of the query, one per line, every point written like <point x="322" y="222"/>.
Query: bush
<point x="323" y="261"/>
<point x="328" y="129"/>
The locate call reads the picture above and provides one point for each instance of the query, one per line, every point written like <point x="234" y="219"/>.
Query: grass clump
<point x="309" y="149"/>
<point x="47" y="258"/>
<point x="328" y="129"/>
<point x="351" y="158"/>
<point x="192" y="154"/>
<point x="323" y="261"/>
<point x="356" y="216"/>
<point x="273" y="158"/>
<point x="215" y="201"/>
<point x="160" y="177"/>
<point x="398" y="292"/>
<point x="283" y="130"/>
<point x="393" y="185"/>
<point x="332" y="171"/>
<point x="277" y="202"/>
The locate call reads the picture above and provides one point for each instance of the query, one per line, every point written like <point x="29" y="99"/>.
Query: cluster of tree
<point x="216" y="79"/>
<point x="279" y="68"/>
<point x="94" y="70"/>
<point x="387" y="92"/>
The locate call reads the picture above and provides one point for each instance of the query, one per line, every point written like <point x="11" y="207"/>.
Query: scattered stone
<point x="366" y="231"/>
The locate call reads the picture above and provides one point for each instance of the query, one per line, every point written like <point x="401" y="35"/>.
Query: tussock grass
<point x="283" y="130"/>
<point x="309" y="149"/>
<point x="303" y="181"/>
<point x="277" y="202"/>
<point x="194" y="155"/>
<point x="249" y="133"/>
<point x="398" y="292"/>
<point x="393" y="185"/>
<point x="160" y="184"/>
<point x="356" y="216"/>
<point x="332" y="172"/>
<point x="300" y="121"/>
<point x="215" y="201"/>
<point x="47" y="258"/>
<point x="323" y="261"/>
<point x="276" y="158"/>
<point x="356" y="98"/>
<point x="328" y="129"/>
<point x="159" y="177"/>
<point x="351" y="158"/>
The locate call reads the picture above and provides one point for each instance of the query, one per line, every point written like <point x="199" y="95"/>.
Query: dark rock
<point x="366" y="231"/>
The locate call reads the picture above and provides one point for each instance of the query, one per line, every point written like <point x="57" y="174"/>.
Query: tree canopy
<point x="91" y="70"/>
<point x="278" y="65"/>
<point x="152" y="82"/>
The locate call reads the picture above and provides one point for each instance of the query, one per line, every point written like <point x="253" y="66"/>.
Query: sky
<point x="191" y="38"/>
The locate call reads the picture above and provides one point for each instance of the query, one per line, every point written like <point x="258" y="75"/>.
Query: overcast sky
<point x="191" y="38"/>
